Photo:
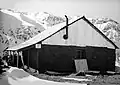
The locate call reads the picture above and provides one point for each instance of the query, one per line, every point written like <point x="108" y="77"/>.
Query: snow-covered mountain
<point x="17" y="27"/>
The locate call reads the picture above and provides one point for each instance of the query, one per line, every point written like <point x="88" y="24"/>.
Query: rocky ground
<point x="88" y="79"/>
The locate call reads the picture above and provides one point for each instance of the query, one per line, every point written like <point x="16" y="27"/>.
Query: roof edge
<point x="86" y="20"/>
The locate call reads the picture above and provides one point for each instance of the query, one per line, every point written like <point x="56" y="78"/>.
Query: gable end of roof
<point x="94" y="27"/>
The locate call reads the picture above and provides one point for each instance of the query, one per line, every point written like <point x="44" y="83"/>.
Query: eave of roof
<point x="48" y="31"/>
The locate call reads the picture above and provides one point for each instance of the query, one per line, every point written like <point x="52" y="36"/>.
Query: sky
<point x="88" y="8"/>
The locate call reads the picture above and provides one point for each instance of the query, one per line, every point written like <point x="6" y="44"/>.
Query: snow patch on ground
<point x="31" y="80"/>
<point x="76" y="79"/>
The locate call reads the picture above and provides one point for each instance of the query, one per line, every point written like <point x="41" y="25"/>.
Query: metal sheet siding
<point x="79" y="34"/>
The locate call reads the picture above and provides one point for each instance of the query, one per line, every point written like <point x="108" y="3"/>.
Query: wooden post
<point x="12" y="54"/>
<point x="28" y="59"/>
<point x="9" y="53"/>
<point x="37" y="58"/>
<point x="17" y="58"/>
<point x="20" y="53"/>
<point x="37" y="47"/>
<point x="10" y="58"/>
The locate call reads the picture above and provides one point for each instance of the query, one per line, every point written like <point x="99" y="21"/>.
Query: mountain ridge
<point x="18" y="26"/>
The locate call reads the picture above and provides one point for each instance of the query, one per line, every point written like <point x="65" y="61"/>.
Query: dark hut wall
<point x="61" y="58"/>
<point x="52" y="58"/>
<point x="57" y="54"/>
<point x="30" y="57"/>
<point x="99" y="58"/>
